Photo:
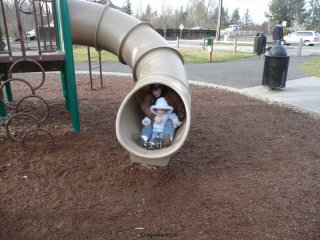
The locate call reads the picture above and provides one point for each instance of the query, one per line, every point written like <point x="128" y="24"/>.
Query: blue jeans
<point x="155" y="135"/>
<point x="168" y="129"/>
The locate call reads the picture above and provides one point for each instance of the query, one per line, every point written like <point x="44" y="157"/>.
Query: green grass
<point x="81" y="55"/>
<point x="312" y="67"/>
<point x="201" y="56"/>
<point x="189" y="55"/>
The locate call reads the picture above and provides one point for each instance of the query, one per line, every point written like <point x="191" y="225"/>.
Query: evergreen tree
<point x="225" y="18"/>
<point x="235" y="16"/>
<point x="147" y="15"/>
<point x="247" y="21"/>
<point x="127" y="8"/>
<point x="313" y="19"/>
<point x="292" y="11"/>
<point x="182" y="16"/>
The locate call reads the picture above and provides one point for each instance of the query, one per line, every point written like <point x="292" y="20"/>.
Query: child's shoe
<point x="166" y="140"/>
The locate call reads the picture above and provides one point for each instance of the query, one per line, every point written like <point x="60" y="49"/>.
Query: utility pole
<point x="219" y="21"/>
<point x="312" y="15"/>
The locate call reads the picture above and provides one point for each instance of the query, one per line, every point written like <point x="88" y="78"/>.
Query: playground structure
<point x="52" y="51"/>
<point x="136" y="44"/>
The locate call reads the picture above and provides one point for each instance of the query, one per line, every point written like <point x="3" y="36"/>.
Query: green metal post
<point x="60" y="48"/>
<point x="8" y="89"/>
<point x="68" y="73"/>
<point x="3" y="77"/>
<point x="3" y="111"/>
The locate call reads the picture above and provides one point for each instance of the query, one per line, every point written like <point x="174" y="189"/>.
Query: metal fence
<point x="16" y="18"/>
<point x="172" y="34"/>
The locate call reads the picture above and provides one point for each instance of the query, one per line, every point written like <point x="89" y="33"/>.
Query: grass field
<point x="312" y="67"/>
<point x="189" y="55"/>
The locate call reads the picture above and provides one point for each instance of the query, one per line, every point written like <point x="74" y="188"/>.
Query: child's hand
<point x="145" y="123"/>
<point x="177" y="125"/>
<point x="158" y="119"/>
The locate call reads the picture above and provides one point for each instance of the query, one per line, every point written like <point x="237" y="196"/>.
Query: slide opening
<point x="129" y="122"/>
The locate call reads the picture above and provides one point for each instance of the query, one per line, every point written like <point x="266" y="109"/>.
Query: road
<point x="238" y="74"/>
<point x="292" y="50"/>
<point x="246" y="46"/>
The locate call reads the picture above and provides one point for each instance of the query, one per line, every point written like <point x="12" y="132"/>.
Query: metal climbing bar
<point x="91" y="67"/>
<point x="32" y="35"/>
<point x="35" y="37"/>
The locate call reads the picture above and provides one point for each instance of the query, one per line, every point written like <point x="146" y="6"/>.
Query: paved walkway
<point x="302" y="94"/>
<point x="302" y="91"/>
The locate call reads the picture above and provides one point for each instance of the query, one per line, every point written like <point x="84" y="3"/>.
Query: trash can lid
<point x="278" y="51"/>
<point x="261" y="34"/>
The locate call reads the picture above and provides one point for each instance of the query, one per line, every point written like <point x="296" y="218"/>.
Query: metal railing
<point x="23" y="51"/>
<point x="18" y="16"/>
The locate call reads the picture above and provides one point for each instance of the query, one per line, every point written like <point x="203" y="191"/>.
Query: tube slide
<point x="152" y="60"/>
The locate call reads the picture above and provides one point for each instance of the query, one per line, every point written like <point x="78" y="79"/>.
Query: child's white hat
<point x="161" y="103"/>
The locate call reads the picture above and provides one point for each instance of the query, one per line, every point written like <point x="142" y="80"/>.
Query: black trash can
<point x="275" y="68"/>
<point x="260" y="42"/>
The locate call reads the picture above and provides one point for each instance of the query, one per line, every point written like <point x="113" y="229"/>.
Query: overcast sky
<point x="256" y="7"/>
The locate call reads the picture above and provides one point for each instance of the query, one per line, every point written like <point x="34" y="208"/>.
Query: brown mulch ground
<point x="248" y="170"/>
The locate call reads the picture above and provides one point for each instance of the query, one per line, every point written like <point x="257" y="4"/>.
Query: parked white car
<point x="231" y="28"/>
<point x="31" y="35"/>
<point x="310" y="38"/>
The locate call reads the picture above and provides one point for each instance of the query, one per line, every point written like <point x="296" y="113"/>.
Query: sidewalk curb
<point x="268" y="100"/>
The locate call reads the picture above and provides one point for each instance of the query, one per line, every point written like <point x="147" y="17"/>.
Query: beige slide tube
<point x="152" y="60"/>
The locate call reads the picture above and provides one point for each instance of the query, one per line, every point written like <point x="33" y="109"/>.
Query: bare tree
<point x="199" y="12"/>
<point x="247" y="21"/>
